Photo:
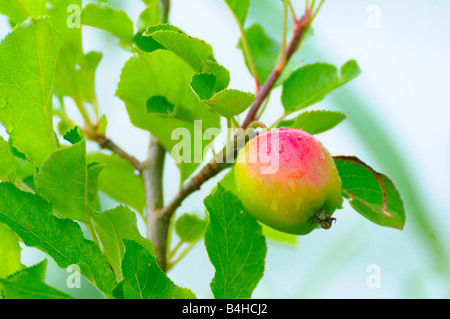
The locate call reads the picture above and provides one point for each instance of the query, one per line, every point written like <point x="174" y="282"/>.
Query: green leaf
<point x="235" y="246"/>
<point x="9" y="252"/>
<point x="315" y="122"/>
<point x="147" y="43"/>
<point x="162" y="73"/>
<point x="264" y="51"/>
<point x="229" y="102"/>
<point x="119" y="180"/>
<point x="204" y="84"/>
<point x="32" y="219"/>
<point x="159" y="104"/>
<point x="102" y="16"/>
<point x="112" y="227"/>
<point x="239" y="8"/>
<point x="183" y="293"/>
<point x="152" y="15"/>
<point x="7" y="162"/>
<point x="28" y="284"/>
<point x="143" y="277"/>
<point x="312" y="83"/>
<point x="75" y="72"/>
<point x="371" y="194"/>
<point x="27" y="65"/>
<point x="220" y="72"/>
<point x="193" y="51"/>
<point x="68" y="182"/>
<point x="75" y="77"/>
<point x="190" y="228"/>
<point x="20" y="10"/>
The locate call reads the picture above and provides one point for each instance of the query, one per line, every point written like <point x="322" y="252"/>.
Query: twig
<point x="106" y="143"/>
<point x="300" y="28"/>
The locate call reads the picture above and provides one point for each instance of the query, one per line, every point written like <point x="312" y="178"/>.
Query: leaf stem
<point x="291" y="7"/>
<point x="247" y="51"/>
<point x="282" y="117"/>
<point x="263" y="108"/>
<point x="171" y="264"/>
<point x="175" y="249"/>
<point x="85" y="115"/>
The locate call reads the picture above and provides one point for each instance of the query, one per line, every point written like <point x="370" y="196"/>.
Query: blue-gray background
<point x="398" y="115"/>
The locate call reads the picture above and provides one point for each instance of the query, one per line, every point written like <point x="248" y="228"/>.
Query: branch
<point x="160" y="220"/>
<point x="220" y="162"/>
<point x="152" y="174"/>
<point x="106" y="143"/>
<point x="300" y="28"/>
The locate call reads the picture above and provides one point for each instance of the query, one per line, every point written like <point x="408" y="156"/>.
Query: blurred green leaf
<point x="9" y="252"/>
<point x="119" y="180"/>
<point x="28" y="284"/>
<point x="162" y="73"/>
<point x="75" y="72"/>
<point x="314" y="122"/>
<point x="151" y="15"/>
<point x="143" y="277"/>
<point x="32" y="219"/>
<point x="68" y="182"/>
<point x="239" y="8"/>
<point x="20" y="10"/>
<point x="7" y="162"/>
<point x="312" y="83"/>
<point x="102" y="16"/>
<point x="235" y="246"/>
<point x="27" y="61"/>
<point x="264" y="51"/>
<point x="112" y="227"/>
<point x="190" y="228"/>
<point x="371" y="194"/>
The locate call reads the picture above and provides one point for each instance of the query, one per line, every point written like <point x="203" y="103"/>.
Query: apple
<point x="288" y="180"/>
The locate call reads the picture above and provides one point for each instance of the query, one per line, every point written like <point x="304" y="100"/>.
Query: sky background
<point x="403" y="89"/>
